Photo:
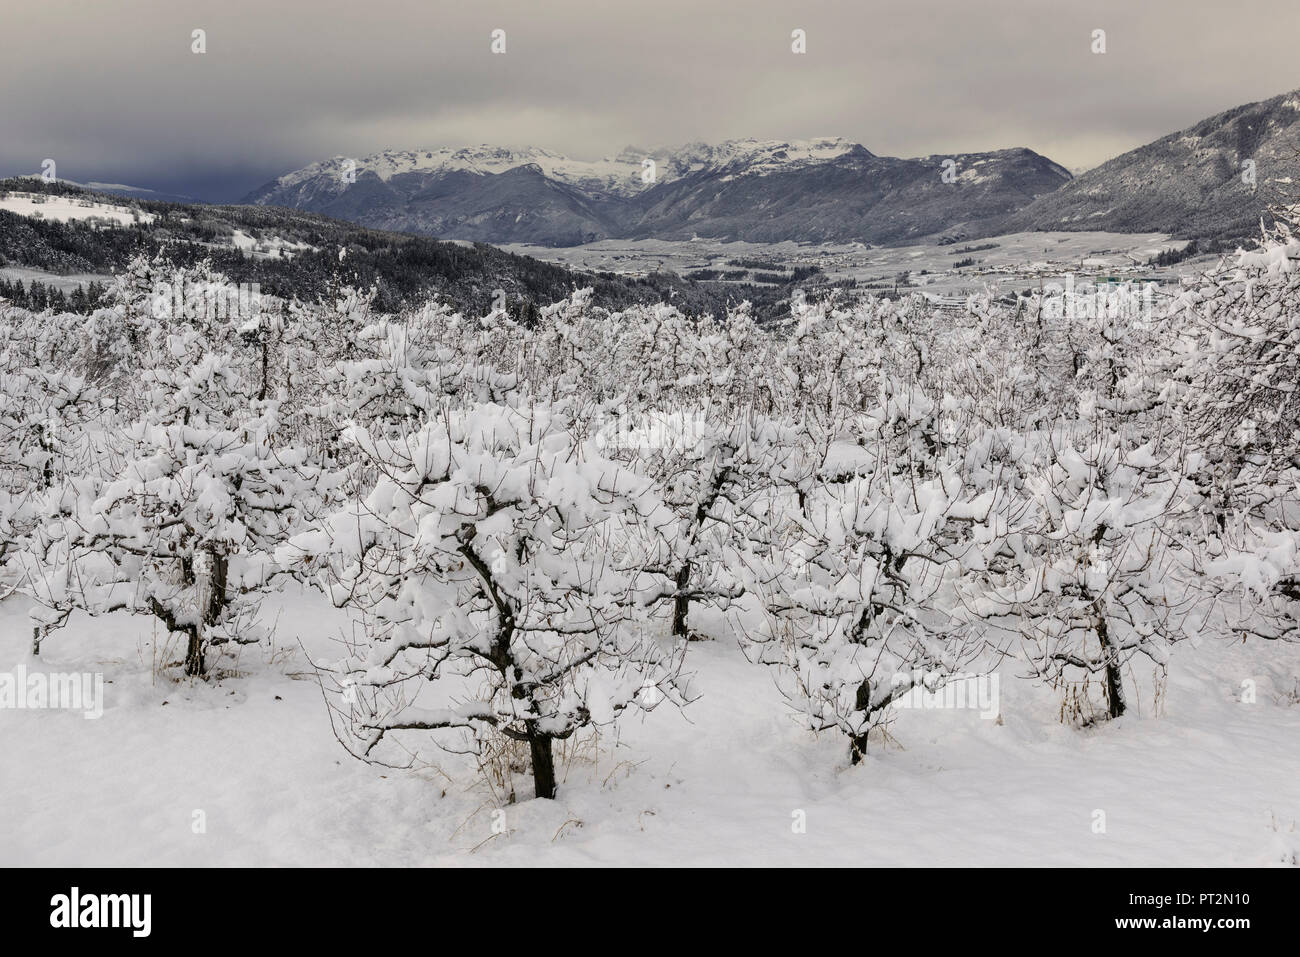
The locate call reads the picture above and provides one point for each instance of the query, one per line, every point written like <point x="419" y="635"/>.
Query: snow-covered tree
<point x="189" y="497"/>
<point x="48" y="419"/>
<point x="501" y="568"/>
<point x="860" y="583"/>
<point x="1101" y="574"/>
<point x="1233" y="361"/>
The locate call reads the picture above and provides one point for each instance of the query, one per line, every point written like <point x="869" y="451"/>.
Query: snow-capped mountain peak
<point x="620" y="174"/>
<point x="764" y="156"/>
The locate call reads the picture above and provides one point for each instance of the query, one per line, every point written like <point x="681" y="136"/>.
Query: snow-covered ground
<point x="1005" y="263"/>
<point x="67" y="208"/>
<point x="273" y="247"/>
<point x="1210" y="781"/>
<point x="66" y="283"/>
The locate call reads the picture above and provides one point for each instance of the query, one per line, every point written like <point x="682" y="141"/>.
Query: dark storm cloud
<point x="113" y="93"/>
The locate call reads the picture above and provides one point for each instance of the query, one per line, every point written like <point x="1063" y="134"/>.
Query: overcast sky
<point x="112" y="91"/>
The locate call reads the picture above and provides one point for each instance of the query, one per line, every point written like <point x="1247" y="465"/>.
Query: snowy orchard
<point x="527" y="523"/>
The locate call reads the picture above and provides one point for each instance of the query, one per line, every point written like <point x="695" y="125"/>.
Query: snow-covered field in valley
<point x="1005" y="263"/>
<point x="1210" y="781"/>
<point x="71" y="208"/>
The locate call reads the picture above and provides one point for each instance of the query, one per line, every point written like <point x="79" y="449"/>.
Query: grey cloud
<point x="113" y="92"/>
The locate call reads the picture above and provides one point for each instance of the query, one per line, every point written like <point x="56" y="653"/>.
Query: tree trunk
<point x="543" y="764"/>
<point x="195" y="667"/>
<point x="858" y="742"/>
<point x="210" y="572"/>
<point x="1114" y="680"/>
<point x="682" y="602"/>
<point x="47" y="446"/>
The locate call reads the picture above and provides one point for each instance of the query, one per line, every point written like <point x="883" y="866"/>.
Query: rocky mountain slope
<point x="1188" y="183"/>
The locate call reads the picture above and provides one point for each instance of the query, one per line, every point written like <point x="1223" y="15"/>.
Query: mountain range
<point x="828" y="189"/>
<point x="816" y="190"/>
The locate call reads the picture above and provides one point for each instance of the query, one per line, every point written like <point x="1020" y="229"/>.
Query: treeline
<point x="38" y="296"/>
<point x="1171" y="257"/>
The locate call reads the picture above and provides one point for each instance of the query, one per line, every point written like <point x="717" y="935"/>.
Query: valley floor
<point x="1211" y="781"/>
